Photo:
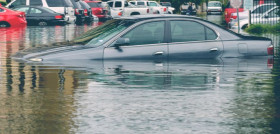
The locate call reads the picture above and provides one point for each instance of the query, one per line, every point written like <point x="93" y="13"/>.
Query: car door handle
<point x="158" y="53"/>
<point x="213" y="49"/>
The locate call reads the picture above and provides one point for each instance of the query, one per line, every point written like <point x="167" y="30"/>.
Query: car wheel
<point x="4" y="24"/>
<point x="42" y="23"/>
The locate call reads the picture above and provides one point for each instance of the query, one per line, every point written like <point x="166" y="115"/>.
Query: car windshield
<point x="94" y="4"/>
<point x="84" y="5"/>
<point x="166" y="4"/>
<point x="103" y="33"/>
<point x="262" y="9"/>
<point x="214" y="4"/>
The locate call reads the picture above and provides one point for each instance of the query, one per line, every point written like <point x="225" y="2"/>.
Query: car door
<point x="116" y="8"/>
<point x="191" y="39"/>
<point x="146" y="41"/>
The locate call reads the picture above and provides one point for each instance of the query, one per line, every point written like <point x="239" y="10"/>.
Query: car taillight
<point x="148" y="10"/>
<point x="164" y="9"/>
<point x="86" y="12"/>
<point x="59" y="17"/>
<point x="77" y="11"/>
<point x="270" y="50"/>
<point x="234" y="17"/>
<point x="270" y="63"/>
<point x="120" y="13"/>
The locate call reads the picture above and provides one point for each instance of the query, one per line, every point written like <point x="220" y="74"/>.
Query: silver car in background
<point x="214" y="7"/>
<point x="269" y="17"/>
<point x="154" y="37"/>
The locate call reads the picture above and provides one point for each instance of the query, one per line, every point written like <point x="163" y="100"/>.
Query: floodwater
<point x="200" y="96"/>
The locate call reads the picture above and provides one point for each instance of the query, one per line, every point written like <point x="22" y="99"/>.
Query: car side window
<point x="183" y="31"/>
<point x="35" y="11"/>
<point x="118" y="4"/>
<point x="23" y="9"/>
<point x="152" y="4"/>
<point x="147" y="33"/>
<point x="140" y="3"/>
<point x="110" y="4"/>
<point x="210" y="34"/>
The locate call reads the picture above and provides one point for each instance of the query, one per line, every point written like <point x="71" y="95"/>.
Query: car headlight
<point x="36" y="59"/>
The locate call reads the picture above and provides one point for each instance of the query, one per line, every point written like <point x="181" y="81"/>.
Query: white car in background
<point x="120" y="8"/>
<point x="214" y="7"/>
<point x="60" y="6"/>
<point x="154" y="7"/>
<point x="269" y="17"/>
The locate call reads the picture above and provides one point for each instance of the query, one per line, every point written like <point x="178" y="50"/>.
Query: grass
<point x="263" y="28"/>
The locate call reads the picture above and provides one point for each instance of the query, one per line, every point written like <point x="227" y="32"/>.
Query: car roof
<point x="157" y="16"/>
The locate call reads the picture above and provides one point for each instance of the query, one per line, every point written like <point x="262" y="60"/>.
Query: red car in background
<point x="97" y="9"/>
<point x="229" y="10"/>
<point x="11" y="18"/>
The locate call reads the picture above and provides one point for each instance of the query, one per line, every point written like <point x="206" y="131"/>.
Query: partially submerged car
<point x="154" y="37"/>
<point x="36" y="15"/>
<point x="11" y="18"/>
<point x="269" y="17"/>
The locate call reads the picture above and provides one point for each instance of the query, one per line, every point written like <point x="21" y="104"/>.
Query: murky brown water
<point x="201" y="96"/>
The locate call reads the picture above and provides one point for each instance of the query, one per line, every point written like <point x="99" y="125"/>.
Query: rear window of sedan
<point x="93" y="4"/>
<point x="59" y="3"/>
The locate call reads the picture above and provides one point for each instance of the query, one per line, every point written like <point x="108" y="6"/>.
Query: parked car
<point x="229" y="10"/>
<point x="120" y="8"/>
<point x="214" y="7"/>
<point x="170" y="9"/>
<point x="154" y="7"/>
<point x="255" y="12"/>
<point x="153" y="37"/>
<point x="188" y="9"/>
<point x="11" y="18"/>
<point x="79" y="11"/>
<point x="60" y="6"/>
<point x="269" y="17"/>
<point x="87" y="12"/>
<point x="41" y="16"/>
<point x="98" y="10"/>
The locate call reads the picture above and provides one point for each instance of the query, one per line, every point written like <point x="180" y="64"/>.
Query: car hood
<point x="41" y="51"/>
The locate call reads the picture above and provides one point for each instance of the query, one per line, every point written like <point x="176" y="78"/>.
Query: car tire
<point x="4" y="24"/>
<point x="42" y="23"/>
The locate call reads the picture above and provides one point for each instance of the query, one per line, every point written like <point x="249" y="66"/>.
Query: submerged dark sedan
<point x="41" y="16"/>
<point x="155" y="37"/>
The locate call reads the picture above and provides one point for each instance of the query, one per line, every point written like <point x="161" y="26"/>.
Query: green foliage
<point x="278" y="3"/>
<point x="261" y="28"/>
<point x="3" y="3"/>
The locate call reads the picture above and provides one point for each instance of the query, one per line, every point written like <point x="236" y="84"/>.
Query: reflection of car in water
<point x="143" y="37"/>
<point x="178" y="75"/>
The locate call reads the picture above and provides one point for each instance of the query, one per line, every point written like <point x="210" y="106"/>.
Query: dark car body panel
<point x="45" y="16"/>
